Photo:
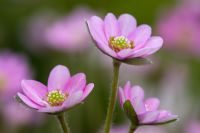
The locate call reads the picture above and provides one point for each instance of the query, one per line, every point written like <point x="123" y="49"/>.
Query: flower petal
<point x="124" y="53"/>
<point x="152" y="104"/>
<point x="72" y="100"/>
<point x="50" y="109"/>
<point x="35" y="90"/>
<point x="58" y="78"/>
<point x="127" y="88"/>
<point x="111" y="26"/>
<point x="76" y="83"/>
<point x="137" y="92"/>
<point x="121" y="96"/>
<point x="149" y="117"/>
<point x="165" y="116"/>
<point x="87" y="90"/>
<point x="28" y="102"/>
<point x="127" y="24"/>
<point x="96" y="28"/>
<point x="136" y="97"/>
<point x="152" y="45"/>
<point x="140" y="35"/>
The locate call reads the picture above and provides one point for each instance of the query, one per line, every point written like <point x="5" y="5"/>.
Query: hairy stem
<point x="63" y="123"/>
<point x="113" y="96"/>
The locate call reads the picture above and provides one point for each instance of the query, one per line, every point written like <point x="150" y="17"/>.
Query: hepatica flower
<point x="147" y="112"/>
<point x="62" y="92"/>
<point x="121" y="38"/>
<point x="13" y="68"/>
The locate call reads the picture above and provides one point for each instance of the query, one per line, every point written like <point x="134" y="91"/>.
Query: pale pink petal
<point x="50" y="109"/>
<point x="138" y="105"/>
<point x="58" y="78"/>
<point x="87" y="90"/>
<point x="28" y="102"/>
<point x="152" y="104"/>
<point x="140" y="35"/>
<point x="152" y="45"/>
<point x="35" y="90"/>
<point x="127" y="88"/>
<point x="149" y="117"/>
<point x="73" y="100"/>
<point x="127" y="24"/>
<point x="76" y="83"/>
<point x="96" y="29"/>
<point x="95" y="25"/>
<point x="111" y="26"/>
<point x="165" y="116"/>
<point x="124" y="53"/>
<point x="121" y="96"/>
<point x="137" y="92"/>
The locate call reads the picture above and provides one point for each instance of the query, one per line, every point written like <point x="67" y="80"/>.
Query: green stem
<point x="132" y="129"/>
<point x="113" y="96"/>
<point x="63" y="123"/>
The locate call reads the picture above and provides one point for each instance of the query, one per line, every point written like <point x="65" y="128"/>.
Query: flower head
<point x="13" y="68"/>
<point x="147" y="111"/>
<point x="122" y="39"/>
<point x="69" y="33"/>
<point x="184" y="20"/>
<point x="62" y="92"/>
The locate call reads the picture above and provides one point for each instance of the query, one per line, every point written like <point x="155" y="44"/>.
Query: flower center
<point x="119" y="43"/>
<point x="56" y="98"/>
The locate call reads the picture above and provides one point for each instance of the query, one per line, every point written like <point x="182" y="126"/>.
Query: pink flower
<point x="62" y="92"/>
<point x="13" y="68"/>
<point x="69" y="33"/>
<point x="180" y="28"/>
<point x="122" y="39"/>
<point x="16" y="116"/>
<point x="147" y="111"/>
<point x="193" y="127"/>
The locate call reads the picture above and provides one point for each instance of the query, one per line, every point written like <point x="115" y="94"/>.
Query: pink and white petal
<point x="127" y="88"/>
<point x="138" y="105"/>
<point x="152" y="104"/>
<point x="154" y="43"/>
<point x="35" y="90"/>
<point x="96" y="29"/>
<point x="140" y="35"/>
<point x="28" y="102"/>
<point x="111" y="26"/>
<point x="87" y="90"/>
<point x="148" y="117"/>
<point x="137" y="92"/>
<point x="76" y="83"/>
<point x="50" y="109"/>
<point x="127" y="24"/>
<point x="121" y="96"/>
<point x="73" y="100"/>
<point x="125" y="53"/>
<point x="58" y="78"/>
<point x="165" y="116"/>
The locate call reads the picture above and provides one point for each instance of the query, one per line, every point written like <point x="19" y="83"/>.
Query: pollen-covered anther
<point x="56" y="98"/>
<point x="119" y="43"/>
